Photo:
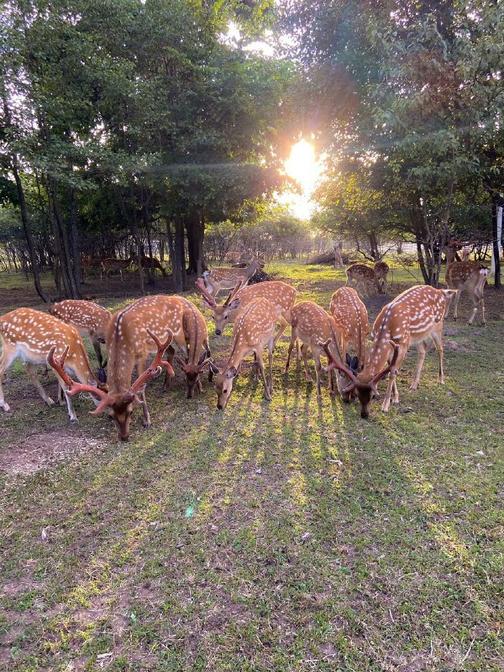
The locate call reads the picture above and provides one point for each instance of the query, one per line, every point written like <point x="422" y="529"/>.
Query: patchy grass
<point x="280" y="536"/>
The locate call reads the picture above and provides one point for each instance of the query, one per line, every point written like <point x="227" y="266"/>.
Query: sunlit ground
<point x="273" y="537"/>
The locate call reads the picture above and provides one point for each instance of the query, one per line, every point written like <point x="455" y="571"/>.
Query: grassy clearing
<point x="288" y="535"/>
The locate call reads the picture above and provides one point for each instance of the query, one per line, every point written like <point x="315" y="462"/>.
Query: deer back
<point x="85" y="315"/>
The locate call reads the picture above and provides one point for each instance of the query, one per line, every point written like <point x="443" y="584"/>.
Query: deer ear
<point x="231" y="372"/>
<point x="235" y="303"/>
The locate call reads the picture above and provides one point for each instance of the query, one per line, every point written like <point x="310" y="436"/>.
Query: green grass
<point x="289" y="535"/>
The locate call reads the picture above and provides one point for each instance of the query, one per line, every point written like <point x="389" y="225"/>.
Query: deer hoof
<point x="49" y="401"/>
<point x="74" y="420"/>
<point x="5" y="406"/>
<point x="414" y="386"/>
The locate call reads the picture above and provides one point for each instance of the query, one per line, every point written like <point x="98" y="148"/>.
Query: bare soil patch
<point x="44" y="450"/>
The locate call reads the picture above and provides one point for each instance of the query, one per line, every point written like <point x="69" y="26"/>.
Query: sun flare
<point x="303" y="166"/>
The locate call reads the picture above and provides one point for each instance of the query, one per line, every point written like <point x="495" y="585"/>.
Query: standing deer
<point x="150" y="263"/>
<point x="30" y="335"/>
<point x="109" y="266"/>
<point x="312" y="324"/>
<point x="410" y="319"/>
<point x="120" y="403"/>
<point x="367" y="279"/>
<point x="466" y="276"/>
<point x="253" y="330"/>
<point x="218" y="279"/>
<point x="88" y="317"/>
<point x="196" y="347"/>
<point x="278" y="293"/>
<point x="352" y="324"/>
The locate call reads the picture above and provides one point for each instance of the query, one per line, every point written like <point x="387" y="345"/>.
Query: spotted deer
<point x="466" y="276"/>
<point x="30" y="335"/>
<point x="381" y="270"/>
<point x="109" y="266"/>
<point x="150" y="263"/>
<point x="352" y="324"/>
<point x="278" y="293"/>
<point x="130" y="342"/>
<point x="120" y="403"/>
<point x="219" y="279"/>
<point x="412" y="318"/>
<point x="312" y="324"/>
<point x="254" y="329"/>
<point x="88" y="317"/>
<point x="366" y="279"/>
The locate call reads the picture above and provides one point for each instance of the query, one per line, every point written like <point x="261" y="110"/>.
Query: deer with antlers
<point x="254" y="329"/>
<point x="367" y="279"/>
<point x="311" y="324"/>
<point x="466" y="276"/>
<point x="130" y="341"/>
<point x="352" y="325"/>
<point x="88" y="317"/>
<point x="219" y="279"/>
<point x="278" y="293"/>
<point x="119" y="401"/>
<point x="30" y="335"/>
<point x="412" y="318"/>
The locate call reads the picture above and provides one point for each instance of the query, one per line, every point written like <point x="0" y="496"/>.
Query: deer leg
<point x="271" y="346"/>
<point x="170" y="354"/>
<point x="455" y="304"/>
<point x="304" y="354"/>
<point x="98" y="352"/>
<point x="438" y="342"/>
<point x="392" y="382"/>
<point x="422" y="350"/>
<point x="282" y="327"/>
<point x="7" y="356"/>
<point x="318" y="368"/>
<point x="291" y="345"/>
<point x="260" y="364"/>
<point x="70" y="409"/>
<point x="32" y="374"/>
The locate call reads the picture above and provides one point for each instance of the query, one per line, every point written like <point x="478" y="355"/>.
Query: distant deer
<point x="410" y="319"/>
<point x="30" y="335"/>
<point x="219" y="279"/>
<point x="352" y="324"/>
<point x="278" y="293"/>
<point x="367" y="279"/>
<point x="254" y="329"/>
<point x="88" y="317"/>
<point x="150" y="263"/>
<point x="109" y="266"/>
<point x="466" y="276"/>
<point x="312" y="324"/>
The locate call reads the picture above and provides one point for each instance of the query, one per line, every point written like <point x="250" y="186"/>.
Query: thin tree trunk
<point x="496" y="251"/>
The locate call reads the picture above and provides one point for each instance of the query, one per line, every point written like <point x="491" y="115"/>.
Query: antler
<point x="200" y="285"/>
<point x="234" y="292"/>
<point x="157" y="363"/>
<point x="334" y="364"/>
<point x="73" y="388"/>
<point x="387" y="369"/>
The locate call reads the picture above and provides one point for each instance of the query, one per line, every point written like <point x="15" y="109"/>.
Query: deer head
<point x="221" y="314"/>
<point x="193" y="372"/>
<point x="223" y="381"/>
<point x="120" y="404"/>
<point x="365" y="390"/>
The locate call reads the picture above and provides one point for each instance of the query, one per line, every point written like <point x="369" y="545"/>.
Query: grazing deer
<point x="278" y="293"/>
<point x="253" y="330"/>
<point x="30" y="335"/>
<point x="129" y="344"/>
<point x="88" y="317"/>
<point x="352" y="325"/>
<point x="150" y="263"/>
<point x="109" y="266"/>
<point x="89" y="265"/>
<point x="120" y="403"/>
<point x="466" y="276"/>
<point x="410" y="319"/>
<point x="196" y="346"/>
<point x="218" y="279"/>
<point x="312" y="324"/>
<point x="365" y="278"/>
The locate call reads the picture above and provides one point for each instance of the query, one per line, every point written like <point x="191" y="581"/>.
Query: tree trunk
<point x="496" y="250"/>
<point x="178" y="261"/>
<point x="195" y="227"/>
<point x="73" y="231"/>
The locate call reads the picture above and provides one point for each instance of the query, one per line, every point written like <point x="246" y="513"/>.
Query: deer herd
<point x="175" y="331"/>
